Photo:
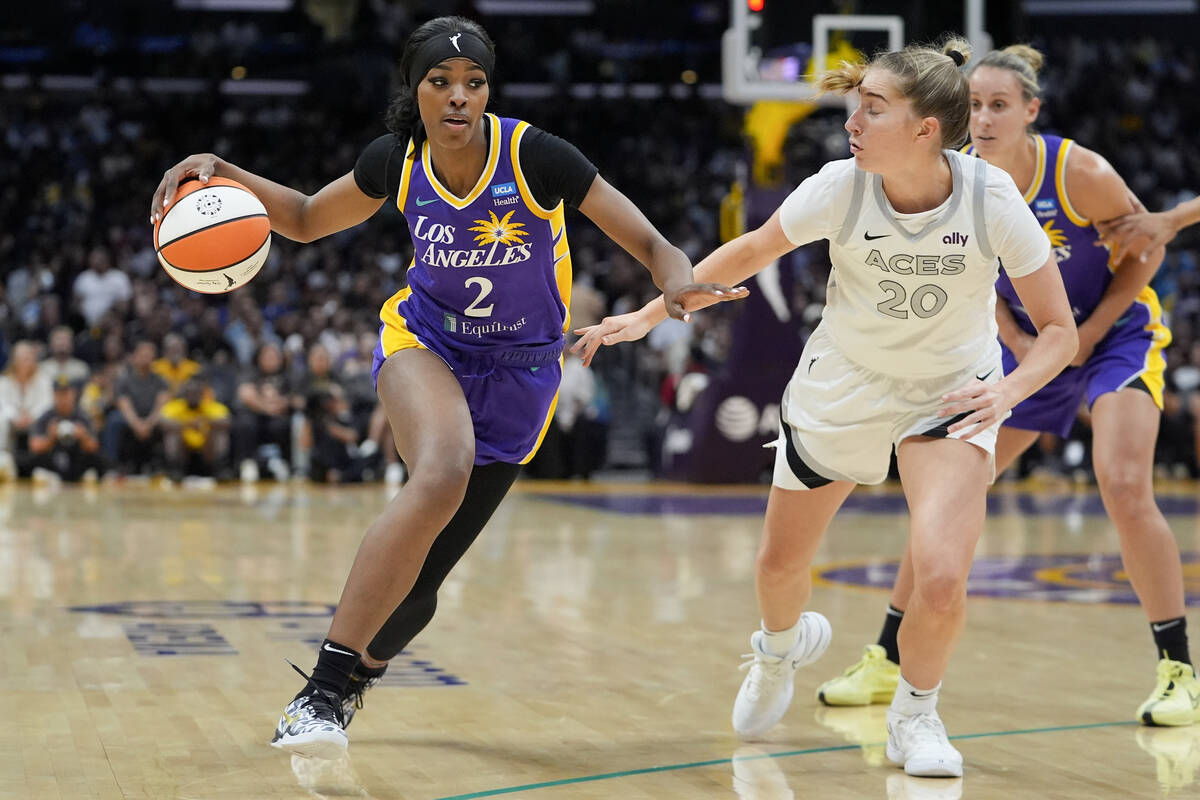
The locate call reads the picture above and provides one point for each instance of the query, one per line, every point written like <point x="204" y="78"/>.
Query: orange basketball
<point x="214" y="237"/>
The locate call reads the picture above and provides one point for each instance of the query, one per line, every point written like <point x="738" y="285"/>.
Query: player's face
<point x="452" y="97"/>
<point x="883" y="128"/>
<point x="999" y="112"/>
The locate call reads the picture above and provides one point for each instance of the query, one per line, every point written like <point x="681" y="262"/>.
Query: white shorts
<point x="841" y="421"/>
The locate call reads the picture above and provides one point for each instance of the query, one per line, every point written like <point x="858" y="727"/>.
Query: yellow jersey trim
<point x="1153" y="374"/>
<point x="545" y="425"/>
<point x="522" y="184"/>
<point x="485" y="178"/>
<point x="405" y="177"/>
<point x="1060" y="181"/>
<point x="1039" y="170"/>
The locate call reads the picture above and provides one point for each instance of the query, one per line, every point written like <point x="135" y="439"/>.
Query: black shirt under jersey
<point x="554" y="168"/>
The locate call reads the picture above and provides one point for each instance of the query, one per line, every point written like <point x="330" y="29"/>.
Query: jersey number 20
<point x="926" y="300"/>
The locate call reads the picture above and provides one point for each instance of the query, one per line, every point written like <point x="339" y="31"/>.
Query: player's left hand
<point x="984" y="403"/>
<point x="690" y="297"/>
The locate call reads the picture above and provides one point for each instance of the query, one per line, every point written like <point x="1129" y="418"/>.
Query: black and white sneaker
<point x="352" y="701"/>
<point x="311" y="725"/>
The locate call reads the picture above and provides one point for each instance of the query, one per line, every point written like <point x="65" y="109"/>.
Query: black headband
<point x="460" y="44"/>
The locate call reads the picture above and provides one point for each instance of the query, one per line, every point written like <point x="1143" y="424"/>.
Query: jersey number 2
<point x="485" y="288"/>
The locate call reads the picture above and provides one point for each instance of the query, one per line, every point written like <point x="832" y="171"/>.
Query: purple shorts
<point x="1128" y="353"/>
<point x="511" y="395"/>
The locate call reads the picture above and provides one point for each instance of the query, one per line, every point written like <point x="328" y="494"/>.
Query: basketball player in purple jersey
<point x="1118" y="371"/>
<point x="469" y="356"/>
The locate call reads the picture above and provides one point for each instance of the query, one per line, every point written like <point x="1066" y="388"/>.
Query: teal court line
<point x="786" y="754"/>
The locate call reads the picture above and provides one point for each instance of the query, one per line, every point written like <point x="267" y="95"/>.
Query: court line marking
<point x="785" y="754"/>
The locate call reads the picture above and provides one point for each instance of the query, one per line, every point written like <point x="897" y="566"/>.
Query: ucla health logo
<point x="504" y="194"/>
<point x="1045" y="208"/>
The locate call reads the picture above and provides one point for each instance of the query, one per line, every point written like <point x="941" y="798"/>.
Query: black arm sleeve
<point x="555" y="169"/>
<point x="377" y="171"/>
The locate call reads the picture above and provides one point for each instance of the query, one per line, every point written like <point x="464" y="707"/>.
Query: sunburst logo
<point x="498" y="230"/>
<point x="1057" y="237"/>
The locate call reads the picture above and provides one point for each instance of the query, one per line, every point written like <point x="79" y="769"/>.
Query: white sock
<point x="910" y="700"/>
<point x="780" y="643"/>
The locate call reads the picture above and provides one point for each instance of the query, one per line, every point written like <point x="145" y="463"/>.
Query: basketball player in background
<point x="470" y="352"/>
<point x="1118" y="372"/>
<point x="905" y="356"/>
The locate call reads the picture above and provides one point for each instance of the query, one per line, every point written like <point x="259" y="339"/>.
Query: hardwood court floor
<point x="586" y="648"/>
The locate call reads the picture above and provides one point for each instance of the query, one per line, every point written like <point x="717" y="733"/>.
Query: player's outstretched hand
<point x="985" y="404"/>
<point x="634" y="325"/>
<point x="611" y="330"/>
<point x="695" y="296"/>
<point x="1140" y="232"/>
<point x="202" y="166"/>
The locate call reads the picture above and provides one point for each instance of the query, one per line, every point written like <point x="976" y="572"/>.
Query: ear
<point x="928" y="129"/>
<point x="1031" y="110"/>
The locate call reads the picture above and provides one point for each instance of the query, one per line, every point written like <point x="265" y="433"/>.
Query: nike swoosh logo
<point x="985" y="375"/>
<point x="869" y="237"/>
<point x="1164" y="626"/>
<point x="335" y="650"/>
<point x="421" y="202"/>
<point x="922" y="696"/>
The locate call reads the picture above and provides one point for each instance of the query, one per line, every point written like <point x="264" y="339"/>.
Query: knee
<point x="941" y="592"/>
<point x="1127" y="491"/>
<point x="776" y="563"/>
<point x="442" y="480"/>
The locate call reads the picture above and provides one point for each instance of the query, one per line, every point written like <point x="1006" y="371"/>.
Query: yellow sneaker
<point x="872" y="680"/>
<point x="1175" y="700"/>
<point x="1176" y="754"/>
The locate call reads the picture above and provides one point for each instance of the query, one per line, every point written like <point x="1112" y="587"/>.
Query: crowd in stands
<point x="109" y="368"/>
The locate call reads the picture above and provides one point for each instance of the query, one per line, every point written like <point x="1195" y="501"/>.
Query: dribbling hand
<point x="202" y="166"/>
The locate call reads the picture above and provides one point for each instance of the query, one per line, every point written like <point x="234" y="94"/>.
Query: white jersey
<point x="913" y="295"/>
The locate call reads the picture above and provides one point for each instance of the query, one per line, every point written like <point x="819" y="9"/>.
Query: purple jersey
<point x="1081" y="259"/>
<point x="491" y="271"/>
<point x="1130" y="354"/>
<point x="488" y="292"/>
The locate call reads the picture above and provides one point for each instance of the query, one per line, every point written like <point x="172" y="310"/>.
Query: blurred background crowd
<point x="110" y="369"/>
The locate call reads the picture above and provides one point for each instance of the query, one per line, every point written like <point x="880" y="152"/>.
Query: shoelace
<point x="769" y="672"/>
<point x="925" y="729"/>
<point x="356" y="689"/>
<point x="322" y="698"/>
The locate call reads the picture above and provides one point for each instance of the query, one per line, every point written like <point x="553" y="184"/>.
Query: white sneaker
<point x="766" y="692"/>
<point x="249" y="471"/>
<point x="919" y="744"/>
<point x="8" y="467"/>
<point x="279" y="469"/>
<point x="45" y="477"/>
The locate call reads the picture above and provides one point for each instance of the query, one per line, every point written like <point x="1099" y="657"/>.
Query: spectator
<point x="140" y="396"/>
<point x="62" y="359"/>
<point x="336" y="455"/>
<point x="174" y="366"/>
<point x="25" y="394"/>
<point x="196" y="432"/>
<point x="62" y="443"/>
<point x="262" y="428"/>
<point x="100" y="287"/>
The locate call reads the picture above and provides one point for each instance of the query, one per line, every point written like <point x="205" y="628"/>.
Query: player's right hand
<point x="611" y="330"/>
<point x="202" y="166"/>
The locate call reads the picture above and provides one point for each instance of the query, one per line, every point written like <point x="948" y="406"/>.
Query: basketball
<point x="214" y="237"/>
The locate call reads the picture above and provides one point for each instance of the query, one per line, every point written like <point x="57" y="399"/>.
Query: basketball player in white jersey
<point x="906" y="357"/>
